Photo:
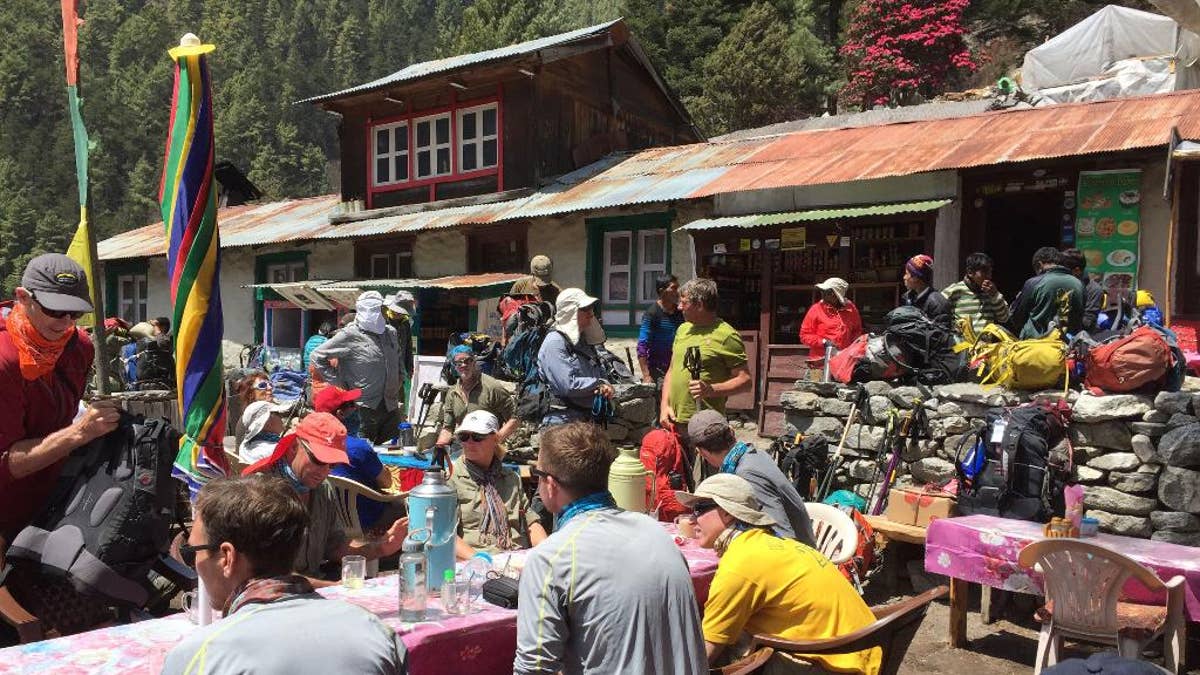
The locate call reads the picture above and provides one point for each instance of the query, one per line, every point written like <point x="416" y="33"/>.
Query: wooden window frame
<point x="500" y="234"/>
<point x="596" y="263"/>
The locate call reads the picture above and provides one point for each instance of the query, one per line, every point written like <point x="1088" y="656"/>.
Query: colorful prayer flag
<point x="79" y="250"/>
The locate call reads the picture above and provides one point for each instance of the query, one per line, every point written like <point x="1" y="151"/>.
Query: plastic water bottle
<point x="450" y="599"/>
<point x="412" y="580"/>
<point x="475" y="571"/>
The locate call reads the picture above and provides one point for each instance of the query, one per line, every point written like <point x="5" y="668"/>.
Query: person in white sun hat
<point x="263" y="421"/>
<point x="834" y="318"/>
<point x="568" y="361"/>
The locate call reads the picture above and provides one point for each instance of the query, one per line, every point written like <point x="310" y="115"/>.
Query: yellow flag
<point x="80" y="252"/>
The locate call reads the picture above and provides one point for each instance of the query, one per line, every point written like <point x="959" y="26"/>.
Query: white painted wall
<point x="565" y="241"/>
<point x="439" y="253"/>
<point x="1156" y="220"/>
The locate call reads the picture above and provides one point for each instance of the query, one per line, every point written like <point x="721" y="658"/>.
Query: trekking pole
<point x="860" y="402"/>
<point x="629" y="359"/>
<point x="691" y="361"/>
<point x="426" y="393"/>
<point x="887" y="443"/>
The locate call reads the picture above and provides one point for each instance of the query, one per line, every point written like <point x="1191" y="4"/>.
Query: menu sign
<point x="1108" y="225"/>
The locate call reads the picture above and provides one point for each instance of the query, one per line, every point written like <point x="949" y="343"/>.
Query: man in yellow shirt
<point x="773" y="586"/>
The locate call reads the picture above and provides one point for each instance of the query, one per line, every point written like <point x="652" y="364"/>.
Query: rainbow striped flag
<point x="189" y="211"/>
<point x="80" y="251"/>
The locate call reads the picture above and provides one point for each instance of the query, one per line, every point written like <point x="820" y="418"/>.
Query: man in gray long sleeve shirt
<point x="608" y="592"/>
<point x="368" y="358"/>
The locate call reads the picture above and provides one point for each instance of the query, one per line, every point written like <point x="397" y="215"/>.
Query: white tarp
<point x="1093" y="45"/>
<point x="1128" y="77"/>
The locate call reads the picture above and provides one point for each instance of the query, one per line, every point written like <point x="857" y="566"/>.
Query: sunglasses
<point x="56" y="314"/>
<point x="538" y="473"/>
<point x="187" y="552"/>
<point x="263" y="385"/>
<point x="468" y="436"/>
<point x="459" y="363"/>
<point x="311" y="457"/>
<point x="703" y="507"/>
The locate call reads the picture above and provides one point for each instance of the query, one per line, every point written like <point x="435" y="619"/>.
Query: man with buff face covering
<point x="368" y="358"/>
<point x="44" y="361"/>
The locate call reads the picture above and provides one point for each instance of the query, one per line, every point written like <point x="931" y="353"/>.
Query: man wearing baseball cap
<point x="773" y="586"/>
<point x="542" y="267"/>
<point x="304" y="459"/>
<point x="44" y="362"/>
<point x="713" y="439"/>
<point x="364" y="466"/>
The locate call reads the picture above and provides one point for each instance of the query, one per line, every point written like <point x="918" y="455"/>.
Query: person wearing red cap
<point x="304" y="459"/>
<point x="364" y="466"/>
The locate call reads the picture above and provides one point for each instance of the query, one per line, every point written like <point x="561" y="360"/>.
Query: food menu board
<point x="1108" y="225"/>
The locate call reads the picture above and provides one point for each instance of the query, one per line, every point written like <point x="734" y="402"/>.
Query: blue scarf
<point x="596" y="500"/>
<point x="285" y="470"/>
<point x="269" y="436"/>
<point x="729" y="464"/>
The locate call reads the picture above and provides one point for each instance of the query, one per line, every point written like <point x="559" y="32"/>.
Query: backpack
<point x="663" y="456"/>
<point x="1129" y="363"/>
<point x="1017" y="465"/>
<point x="482" y="345"/>
<point x="1000" y="359"/>
<point x="926" y="346"/>
<point x="859" y="566"/>
<point x="109" y="517"/>
<point x="803" y="462"/>
<point x="518" y="360"/>
<point x="155" y="361"/>
<point x="869" y="357"/>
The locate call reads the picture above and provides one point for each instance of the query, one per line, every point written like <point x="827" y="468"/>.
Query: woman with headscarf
<point x="366" y="355"/>
<point x="834" y="318"/>
<point x="492" y="506"/>
<point x="568" y="362"/>
<point x="918" y="279"/>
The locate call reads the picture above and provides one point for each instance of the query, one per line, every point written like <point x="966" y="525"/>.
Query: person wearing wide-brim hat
<point x="769" y="585"/>
<point x="568" y="361"/>
<point x="834" y="318"/>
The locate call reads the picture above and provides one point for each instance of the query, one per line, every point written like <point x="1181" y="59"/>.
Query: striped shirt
<point x="656" y="337"/>
<point x="980" y="309"/>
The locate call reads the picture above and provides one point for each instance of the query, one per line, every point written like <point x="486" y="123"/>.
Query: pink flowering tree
<point x="896" y="49"/>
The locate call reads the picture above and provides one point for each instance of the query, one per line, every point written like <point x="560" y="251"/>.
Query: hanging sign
<point x="793" y="237"/>
<point x="1108" y="226"/>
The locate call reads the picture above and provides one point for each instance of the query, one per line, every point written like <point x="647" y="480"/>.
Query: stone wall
<point x="1138" y="457"/>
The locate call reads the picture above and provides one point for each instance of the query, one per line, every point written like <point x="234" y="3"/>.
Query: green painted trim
<point x="260" y="277"/>
<point x="117" y="268"/>
<point x="596" y="227"/>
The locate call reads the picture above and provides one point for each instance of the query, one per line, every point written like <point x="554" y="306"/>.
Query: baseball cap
<point x="706" y="426"/>
<point x="321" y="431"/>
<point x="329" y="399"/>
<point x="479" y="422"/>
<point x="57" y="283"/>
<point x="392" y="302"/>
<point x="541" y="267"/>
<point x="732" y="493"/>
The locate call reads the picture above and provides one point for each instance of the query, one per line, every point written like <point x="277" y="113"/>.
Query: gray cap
<point x="57" y="283"/>
<point x="541" y="267"/>
<point x="706" y="426"/>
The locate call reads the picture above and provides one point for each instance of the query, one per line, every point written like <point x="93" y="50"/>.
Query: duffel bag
<point x="1029" y="365"/>
<point x="1128" y="363"/>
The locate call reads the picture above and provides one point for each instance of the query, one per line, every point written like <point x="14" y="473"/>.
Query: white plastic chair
<point x="835" y="532"/>
<point x="345" y="498"/>
<point x="1083" y="583"/>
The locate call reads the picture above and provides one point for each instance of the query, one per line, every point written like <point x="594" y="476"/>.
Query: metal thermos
<point x="433" y="505"/>
<point x="627" y="482"/>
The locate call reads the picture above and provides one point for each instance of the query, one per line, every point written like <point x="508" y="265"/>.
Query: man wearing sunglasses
<point x="245" y="535"/>
<point x="304" y="459"/>
<point x="475" y="390"/>
<point x="44" y="362"/>
<point x="769" y="585"/>
<point x="609" y="591"/>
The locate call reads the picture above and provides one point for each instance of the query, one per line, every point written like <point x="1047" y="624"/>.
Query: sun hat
<point x="836" y="285"/>
<point x="732" y="493"/>
<point x="566" y="315"/>
<point x="541" y="267"/>
<point x="324" y="435"/>
<point x="255" y="416"/>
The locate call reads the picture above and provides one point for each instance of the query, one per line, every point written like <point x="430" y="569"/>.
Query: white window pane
<point x="142" y="294"/>
<point x="618" y="286"/>
<point x="615" y="317"/>
<point x="443" y="160"/>
<point x="402" y="138"/>
<point x="383" y="143"/>
<point x="383" y="173"/>
<point x="618" y="251"/>
<point x="654" y="248"/>
<point x="127" y="288"/>
<point x="647" y="291"/>
<point x="422" y="134"/>
<point x="468" y="162"/>
<point x="443" y="130"/>
<point x="401" y="172"/>
<point x="423" y="168"/>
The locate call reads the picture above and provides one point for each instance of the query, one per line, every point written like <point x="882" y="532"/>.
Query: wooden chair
<point x="1083" y="583"/>
<point x="837" y="536"/>
<point x="747" y="664"/>
<point x="346" y="493"/>
<point x="893" y="631"/>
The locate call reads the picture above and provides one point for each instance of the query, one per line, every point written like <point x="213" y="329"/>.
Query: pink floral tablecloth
<point x="482" y="642"/>
<point x="984" y="549"/>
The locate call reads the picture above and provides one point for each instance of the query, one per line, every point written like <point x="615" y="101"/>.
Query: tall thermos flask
<point x="433" y="505"/>
<point x="627" y="482"/>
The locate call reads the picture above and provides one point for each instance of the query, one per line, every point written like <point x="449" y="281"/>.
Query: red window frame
<point x="455" y="175"/>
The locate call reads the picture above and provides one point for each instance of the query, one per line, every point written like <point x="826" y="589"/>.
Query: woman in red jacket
<point x="834" y="318"/>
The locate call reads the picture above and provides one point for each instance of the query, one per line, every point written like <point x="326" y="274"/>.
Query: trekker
<point x="492" y="506"/>
<point x="44" y="362"/>
<point x="608" y="591"/>
<point x="918" y="279"/>
<point x="523" y="292"/>
<point x="263" y="425"/>
<point x="310" y="345"/>
<point x="475" y="390"/>
<point x="398" y="309"/>
<point x="364" y="466"/>
<point x="975" y="297"/>
<point x="245" y="535"/>
<point x="834" y="318"/>
<point x="367" y="353"/>
<point x="657" y="334"/>
<point x="1052" y="297"/>
<point x="156" y="357"/>
<point x="304" y="459"/>
<point x="568" y="361"/>
<point x="768" y="585"/>
<point x="714" y="440"/>
<point x="541" y="267"/>
<point x="1094" y="297"/>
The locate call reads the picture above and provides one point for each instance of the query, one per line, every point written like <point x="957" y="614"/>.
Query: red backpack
<point x="665" y="457"/>
<point x="861" y="563"/>
<point x="1129" y="363"/>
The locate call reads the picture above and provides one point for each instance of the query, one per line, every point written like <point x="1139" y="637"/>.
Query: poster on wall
<point x="1108" y="225"/>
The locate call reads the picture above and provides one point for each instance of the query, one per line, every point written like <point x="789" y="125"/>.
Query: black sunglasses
<point x="468" y="436"/>
<point x="703" y="507"/>
<point x="54" y="313"/>
<point x="187" y="552"/>
<point x="311" y="457"/>
<point x="538" y="473"/>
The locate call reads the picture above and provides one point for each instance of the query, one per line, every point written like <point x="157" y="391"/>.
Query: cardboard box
<point x="918" y="506"/>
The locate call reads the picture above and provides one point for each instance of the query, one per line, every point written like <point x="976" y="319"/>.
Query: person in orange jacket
<point x="834" y="318"/>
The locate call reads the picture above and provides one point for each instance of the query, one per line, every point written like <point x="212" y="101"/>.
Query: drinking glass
<point x="354" y="571"/>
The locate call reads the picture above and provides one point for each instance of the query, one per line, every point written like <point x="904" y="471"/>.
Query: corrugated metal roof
<point x="345" y="293"/>
<point x="764" y="219"/>
<point x="245" y="225"/>
<point x="427" y="68"/>
<point x="934" y="110"/>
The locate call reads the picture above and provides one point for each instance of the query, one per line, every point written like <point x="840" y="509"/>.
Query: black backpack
<point x="518" y="359"/>
<point x="927" y="346"/>
<point x="109" y="517"/>
<point x="802" y="462"/>
<point x="1021" y="476"/>
<point x="155" y="362"/>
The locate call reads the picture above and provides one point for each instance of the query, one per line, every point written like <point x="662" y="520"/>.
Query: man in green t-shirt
<point x="723" y="370"/>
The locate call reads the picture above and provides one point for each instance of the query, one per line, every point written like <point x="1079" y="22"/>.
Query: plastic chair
<point x="836" y="534"/>
<point x="893" y="631"/>
<point x="1083" y="583"/>
<point x="345" y="496"/>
